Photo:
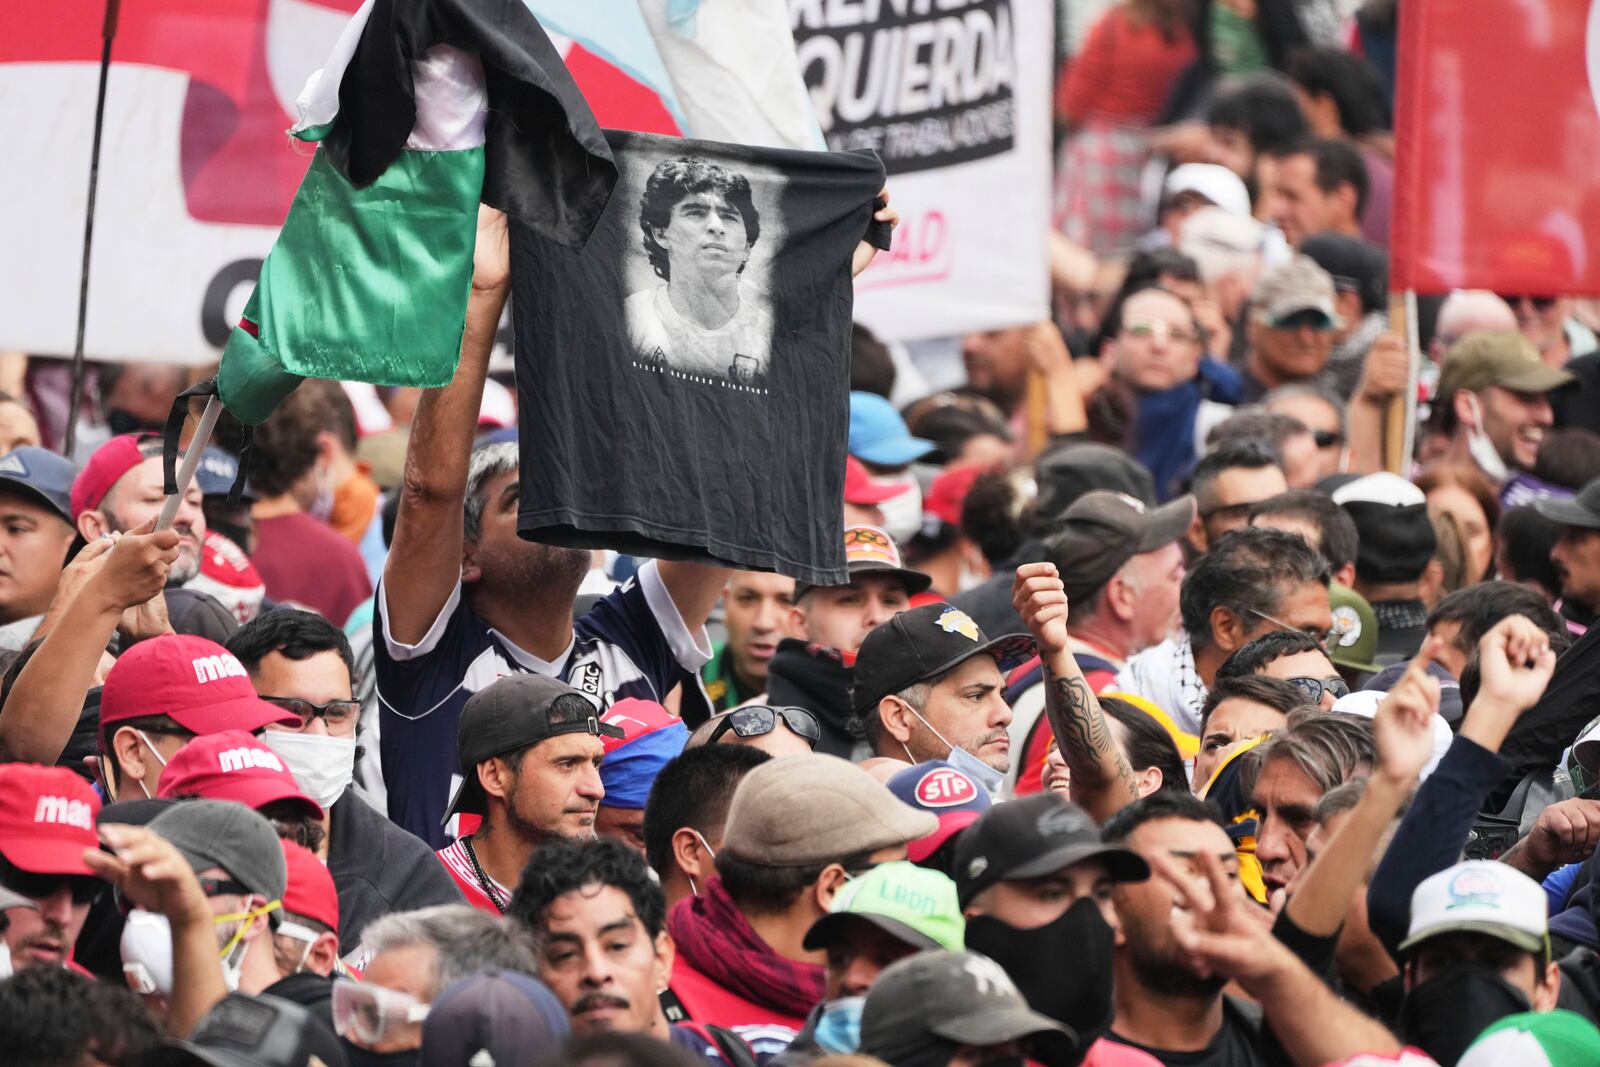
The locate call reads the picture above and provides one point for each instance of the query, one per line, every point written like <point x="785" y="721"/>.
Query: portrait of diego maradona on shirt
<point x="706" y="319"/>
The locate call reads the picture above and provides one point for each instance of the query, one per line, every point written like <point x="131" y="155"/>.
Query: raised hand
<point x="861" y="258"/>
<point x="1041" y="599"/>
<point x="149" y="871"/>
<point x="1567" y="832"/>
<point x="135" y="568"/>
<point x="1403" y="726"/>
<point x="1515" y="662"/>
<point x="491" y="255"/>
<point x="1212" y="925"/>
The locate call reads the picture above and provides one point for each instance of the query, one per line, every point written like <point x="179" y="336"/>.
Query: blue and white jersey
<point x="632" y="643"/>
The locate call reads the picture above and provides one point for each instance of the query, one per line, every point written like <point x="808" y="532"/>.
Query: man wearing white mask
<point x="299" y="661"/>
<point x="1493" y="405"/>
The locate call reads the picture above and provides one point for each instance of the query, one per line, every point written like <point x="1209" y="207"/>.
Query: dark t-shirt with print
<point x="683" y="380"/>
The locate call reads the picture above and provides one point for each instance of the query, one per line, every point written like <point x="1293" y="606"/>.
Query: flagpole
<point x="191" y="459"/>
<point x="108" y="33"/>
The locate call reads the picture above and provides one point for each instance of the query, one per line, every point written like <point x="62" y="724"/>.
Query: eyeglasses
<point x="334" y="712"/>
<point x="758" y="719"/>
<point x="1321" y="637"/>
<point x="1540" y="303"/>
<point x="1145" y="329"/>
<point x="1313" y="688"/>
<point x="83" y="888"/>
<point x="1327" y="438"/>
<point x="371" y="1014"/>
<point x="1226" y="509"/>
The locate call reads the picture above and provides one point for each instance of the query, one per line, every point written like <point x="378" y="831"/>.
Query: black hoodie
<point x="815" y="678"/>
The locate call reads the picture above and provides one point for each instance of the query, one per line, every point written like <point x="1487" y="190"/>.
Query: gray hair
<point x="1315" y="391"/>
<point x="465" y="940"/>
<point x="1330" y="749"/>
<point x="869" y="725"/>
<point x="487" y="462"/>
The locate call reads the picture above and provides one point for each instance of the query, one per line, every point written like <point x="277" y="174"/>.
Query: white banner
<point x="955" y="96"/>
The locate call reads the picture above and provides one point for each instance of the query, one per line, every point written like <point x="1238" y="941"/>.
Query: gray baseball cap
<point x="801" y="810"/>
<point x="40" y="475"/>
<point x="958" y="996"/>
<point x="1582" y="510"/>
<point x="226" y="834"/>
<point x="1103" y="530"/>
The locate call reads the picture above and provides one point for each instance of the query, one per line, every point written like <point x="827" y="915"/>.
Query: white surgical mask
<point x="147" y="953"/>
<point x="902" y="513"/>
<point x="986" y="776"/>
<point x="1484" y="454"/>
<point x="154" y="752"/>
<point x="322" y="766"/>
<point x="705" y="845"/>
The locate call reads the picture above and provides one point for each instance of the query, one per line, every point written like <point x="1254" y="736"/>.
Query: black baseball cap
<point x="1031" y="837"/>
<point x="1356" y="266"/>
<point x="511" y="714"/>
<point x="1103" y="530"/>
<point x="1065" y="474"/>
<point x="253" y="1031"/>
<point x="1582" y="510"/>
<point x="923" y="642"/>
<point x="41" y="476"/>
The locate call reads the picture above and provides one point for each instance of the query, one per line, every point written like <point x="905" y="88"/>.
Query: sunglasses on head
<point x="1313" y="688"/>
<point x="758" y="719"/>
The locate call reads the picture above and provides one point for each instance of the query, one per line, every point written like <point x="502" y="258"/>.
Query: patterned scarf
<point x="717" y="941"/>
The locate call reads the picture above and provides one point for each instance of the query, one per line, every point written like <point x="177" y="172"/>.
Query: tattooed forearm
<point x="1084" y="735"/>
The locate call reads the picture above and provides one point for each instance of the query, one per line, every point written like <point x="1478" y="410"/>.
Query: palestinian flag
<point x="425" y="108"/>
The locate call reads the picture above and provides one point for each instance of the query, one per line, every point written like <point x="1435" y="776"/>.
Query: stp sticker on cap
<point x="944" y="788"/>
<point x="956" y="621"/>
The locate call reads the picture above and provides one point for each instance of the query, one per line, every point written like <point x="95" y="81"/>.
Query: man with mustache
<point x="600" y="920"/>
<point x="530" y="753"/>
<point x="46" y="822"/>
<point x="121" y="487"/>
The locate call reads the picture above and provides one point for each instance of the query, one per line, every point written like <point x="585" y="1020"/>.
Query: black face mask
<point x="1445" y="1014"/>
<point x="1062" y="967"/>
<point x="356" y="1056"/>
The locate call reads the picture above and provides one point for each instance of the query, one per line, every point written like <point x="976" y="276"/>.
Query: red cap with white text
<point x="47" y="818"/>
<point x="195" y="682"/>
<point x="232" y="765"/>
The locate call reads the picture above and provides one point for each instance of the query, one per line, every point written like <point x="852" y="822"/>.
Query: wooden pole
<point x="1400" y="417"/>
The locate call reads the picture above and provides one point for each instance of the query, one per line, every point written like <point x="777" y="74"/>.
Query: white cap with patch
<point x="1482" y="897"/>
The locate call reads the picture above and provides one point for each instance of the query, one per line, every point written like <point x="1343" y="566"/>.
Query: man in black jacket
<point x="300" y="661"/>
<point x="813" y="669"/>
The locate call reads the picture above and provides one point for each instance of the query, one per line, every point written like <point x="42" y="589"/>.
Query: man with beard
<point x="600" y="921"/>
<point x="46" y="822"/>
<point x="530" y="753"/>
<point x="1186" y="932"/>
<point x="122" y="486"/>
<point x="464" y="600"/>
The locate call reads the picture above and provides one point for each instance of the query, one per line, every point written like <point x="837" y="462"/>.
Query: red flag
<point x="1497" y="132"/>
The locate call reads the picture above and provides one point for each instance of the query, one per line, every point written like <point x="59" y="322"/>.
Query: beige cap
<point x="1497" y="357"/>
<point x="1296" y="286"/>
<point x="803" y="810"/>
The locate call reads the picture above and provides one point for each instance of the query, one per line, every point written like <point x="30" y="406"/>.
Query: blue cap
<point x="41" y="475"/>
<point x="878" y="434"/>
<point x="217" y="472"/>
<point x="628" y="771"/>
<point x="946" y="791"/>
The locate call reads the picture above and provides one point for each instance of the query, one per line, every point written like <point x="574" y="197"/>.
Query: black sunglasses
<point x="1540" y="303"/>
<point x="758" y="719"/>
<point x="1327" y="438"/>
<point x="1313" y="688"/>
<point x="83" y="887"/>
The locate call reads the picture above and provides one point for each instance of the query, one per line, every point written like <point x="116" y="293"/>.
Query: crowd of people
<point x="1164" y="719"/>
